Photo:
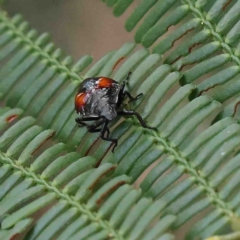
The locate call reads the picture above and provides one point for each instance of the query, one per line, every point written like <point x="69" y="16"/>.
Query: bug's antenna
<point x="128" y="76"/>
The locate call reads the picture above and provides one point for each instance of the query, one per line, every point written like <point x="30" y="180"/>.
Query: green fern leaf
<point x="52" y="189"/>
<point x="205" y="39"/>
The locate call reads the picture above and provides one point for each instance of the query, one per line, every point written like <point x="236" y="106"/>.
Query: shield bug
<point x="100" y="99"/>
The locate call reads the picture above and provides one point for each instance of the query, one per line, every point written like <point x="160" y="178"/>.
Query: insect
<point x="100" y="99"/>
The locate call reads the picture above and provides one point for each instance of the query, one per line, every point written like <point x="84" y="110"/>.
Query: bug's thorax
<point x="98" y="97"/>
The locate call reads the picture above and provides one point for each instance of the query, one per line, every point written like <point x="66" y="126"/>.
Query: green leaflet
<point x="25" y="191"/>
<point x="184" y="176"/>
<point x="204" y="39"/>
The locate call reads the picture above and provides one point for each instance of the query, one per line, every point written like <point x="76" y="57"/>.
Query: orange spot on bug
<point x="11" y="118"/>
<point x="105" y="82"/>
<point x="117" y="62"/>
<point x="80" y="100"/>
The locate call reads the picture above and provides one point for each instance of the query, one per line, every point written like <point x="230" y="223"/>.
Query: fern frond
<point x="38" y="77"/>
<point x="82" y="201"/>
<point x="193" y="186"/>
<point x="205" y="38"/>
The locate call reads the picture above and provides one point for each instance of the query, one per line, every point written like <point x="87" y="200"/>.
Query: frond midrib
<point x="200" y="181"/>
<point x="30" y="43"/>
<point x="82" y="208"/>
<point x="208" y="25"/>
<point x="183" y="162"/>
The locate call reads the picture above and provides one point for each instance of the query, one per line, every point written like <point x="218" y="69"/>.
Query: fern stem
<point x="231" y="236"/>
<point x="197" y="12"/>
<point x="199" y="180"/>
<point x="196" y="174"/>
<point x="82" y="208"/>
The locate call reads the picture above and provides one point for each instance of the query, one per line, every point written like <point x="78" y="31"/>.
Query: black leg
<point x="81" y="121"/>
<point x="93" y="127"/>
<point x="128" y="76"/>
<point x="131" y="97"/>
<point x="140" y="119"/>
<point x="105" y="129"/>
<point x="99" y="130"/>
<point x="123" y="93"/>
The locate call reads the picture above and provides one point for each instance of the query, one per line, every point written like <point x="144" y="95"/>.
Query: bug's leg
<point x="128" y="93"/>
<point x="128" y="76"/>
<point x="123" y="93"/>
<point x="94" y="127"/>
<point x="107" y="138"/>
<point x="125" y="82"/>
<point x="131" y="97"/>
<point x="133" y="113"/>
<point x="81" y="121"/>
